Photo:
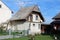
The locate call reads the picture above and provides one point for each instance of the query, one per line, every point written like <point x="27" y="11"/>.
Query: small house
<point x="5" y="14"/>
<point x="45" y="28"/>
<point x="28" y="18"/>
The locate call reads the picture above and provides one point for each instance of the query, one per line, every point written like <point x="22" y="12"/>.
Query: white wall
<point x="25" y="26"/>
<point x="35" y="29"/>
<point x="34" y="18"/>
<point x="19" y="26"/>
<point x="5" y="13"/>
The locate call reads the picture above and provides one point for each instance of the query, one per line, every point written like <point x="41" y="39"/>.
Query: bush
<point x="15" y="33"/>
<point x="37" y="34"/>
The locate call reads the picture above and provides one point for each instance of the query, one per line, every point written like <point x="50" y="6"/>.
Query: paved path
<point x="8" y="36"/>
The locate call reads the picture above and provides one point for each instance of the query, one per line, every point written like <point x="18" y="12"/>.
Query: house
<point x="5" y="12"/>
<point x="28" y="18"/>
<point x="56" y="23"/>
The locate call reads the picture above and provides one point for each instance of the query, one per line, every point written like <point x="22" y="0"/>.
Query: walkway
<point x="9" y="36"/>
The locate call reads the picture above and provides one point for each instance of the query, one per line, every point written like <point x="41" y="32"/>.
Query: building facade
<point x="56" y="23"/>
<point x="28" y="19"/>
<point x="5" y="12"/>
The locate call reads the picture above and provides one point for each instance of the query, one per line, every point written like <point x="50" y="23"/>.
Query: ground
<point x="38" y="37"/>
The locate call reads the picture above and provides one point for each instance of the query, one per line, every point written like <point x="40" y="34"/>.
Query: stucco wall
<point x="34" y="18"/>
<point x="25" y="26"/>
<point x="20" y="25"/>
<point x="35" y="29"/>
<point x="5" y="12"/>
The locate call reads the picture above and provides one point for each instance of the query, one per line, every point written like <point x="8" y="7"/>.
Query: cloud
<point x="25" y="2"/>
<point x="19" y="3"/>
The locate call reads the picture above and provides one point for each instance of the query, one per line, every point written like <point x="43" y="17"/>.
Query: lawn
<point x="40" y="37"/>
<point x="43" y="37"/>
<point x="21" y="38"/>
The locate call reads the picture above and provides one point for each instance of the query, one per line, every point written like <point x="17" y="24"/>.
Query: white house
<point x="5" y="12"/>
<point x="29" y="18"/>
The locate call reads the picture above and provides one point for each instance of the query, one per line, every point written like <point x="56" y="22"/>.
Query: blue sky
<point x="48" y="8"/>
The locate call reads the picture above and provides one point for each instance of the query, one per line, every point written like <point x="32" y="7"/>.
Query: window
<point x="36" y="17"/>
<point x="30" y="17"/>
<point x="0" y="6"/>
<point x="39" y="26"/>
<point x="33" y="24"/>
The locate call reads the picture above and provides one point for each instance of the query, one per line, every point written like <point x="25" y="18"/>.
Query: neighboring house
<point x="5" y="12"/>
<point x="4" y="25"/>
<point x="29" y="18"/>
<point x="56" y="23"/>
<point x="45" y="28"/>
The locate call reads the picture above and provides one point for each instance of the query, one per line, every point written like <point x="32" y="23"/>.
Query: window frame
<point x="36" y="17"/>
<point x="39" y="26"/>
<point x="33" y="24"/>
<point x="0" y="6"/>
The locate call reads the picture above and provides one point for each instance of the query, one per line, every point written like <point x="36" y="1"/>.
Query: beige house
<point x="29" y="18"/>
<point x="5" y="12"/>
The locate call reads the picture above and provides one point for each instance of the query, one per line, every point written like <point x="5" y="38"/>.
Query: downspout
<point x="40" y="26"/>
<point x="10" y="28"/>
<point x="29" y="26"/>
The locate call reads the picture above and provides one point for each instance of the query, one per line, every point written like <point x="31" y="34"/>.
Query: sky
<point x="48" y="8"/>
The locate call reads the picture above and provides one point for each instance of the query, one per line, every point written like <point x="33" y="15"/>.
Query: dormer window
<point x="0" y="6"/>
<point x="30" y="17"/>
<point x="36" y="17"/>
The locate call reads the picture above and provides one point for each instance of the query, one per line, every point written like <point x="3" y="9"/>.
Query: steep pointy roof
<point x="24" y="12"/>
<point x="5" y="4"/>
<point x="57" y="16"/>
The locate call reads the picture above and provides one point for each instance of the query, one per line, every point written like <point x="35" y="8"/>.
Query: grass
<point x="43" y="37"/>
<point x="39" y="37"/>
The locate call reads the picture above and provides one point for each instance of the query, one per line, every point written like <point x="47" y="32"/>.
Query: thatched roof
<point x="24" y="12"/>
<point x="57" y="16"/>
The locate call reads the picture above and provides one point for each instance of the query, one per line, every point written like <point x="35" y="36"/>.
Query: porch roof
<point x="55" y="22"/>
